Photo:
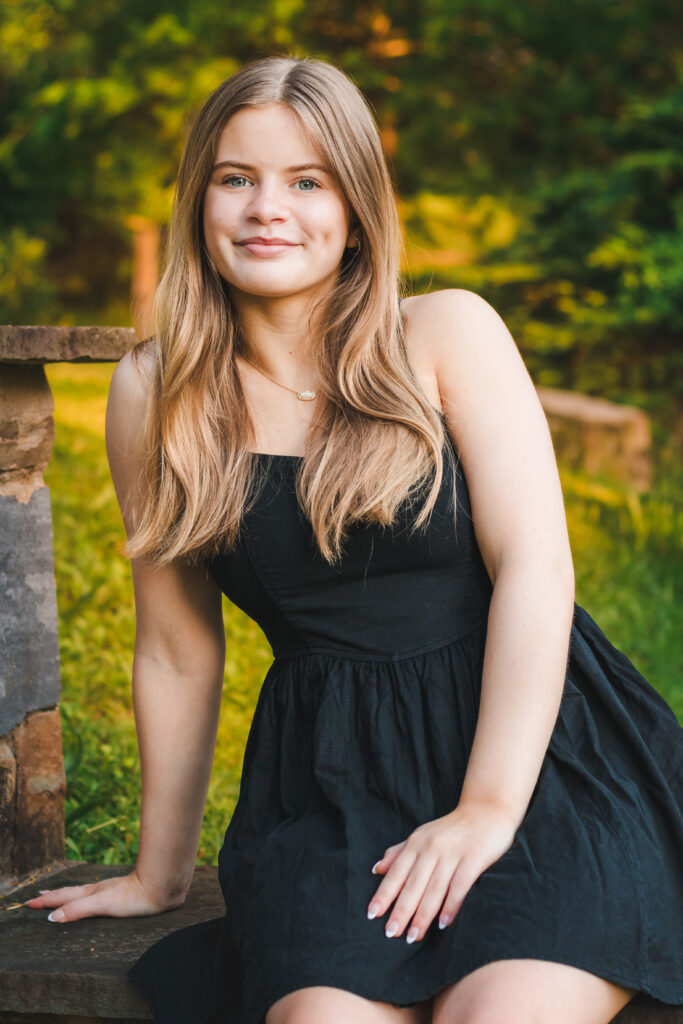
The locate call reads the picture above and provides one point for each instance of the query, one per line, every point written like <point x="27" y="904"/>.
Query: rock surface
<point x="80" y="968"/>
<point x="29" y="666"/>
<point x="64" y="344"/>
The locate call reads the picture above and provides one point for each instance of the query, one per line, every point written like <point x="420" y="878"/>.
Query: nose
<point x="267" y="202"/>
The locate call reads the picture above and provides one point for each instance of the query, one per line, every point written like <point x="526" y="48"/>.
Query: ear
<point x="352" y="219"/>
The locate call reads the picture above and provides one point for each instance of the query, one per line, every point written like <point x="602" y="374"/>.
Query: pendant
<point x="306" y="396"/>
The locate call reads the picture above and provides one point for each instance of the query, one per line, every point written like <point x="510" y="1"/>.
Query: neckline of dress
<point x="276" y="455"/>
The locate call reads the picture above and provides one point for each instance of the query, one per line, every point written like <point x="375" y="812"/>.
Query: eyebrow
<point x="288" y="170"/>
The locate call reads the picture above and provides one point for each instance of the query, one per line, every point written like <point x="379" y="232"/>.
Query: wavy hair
<point x="200" y="472"/>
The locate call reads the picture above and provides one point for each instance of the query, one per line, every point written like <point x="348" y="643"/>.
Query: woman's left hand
<point x="440" y="860"/>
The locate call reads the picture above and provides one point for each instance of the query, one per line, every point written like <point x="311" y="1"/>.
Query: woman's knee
<point x="338" y="1006"/>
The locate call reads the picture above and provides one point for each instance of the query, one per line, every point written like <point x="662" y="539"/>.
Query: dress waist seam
<point x="413" y="652"/>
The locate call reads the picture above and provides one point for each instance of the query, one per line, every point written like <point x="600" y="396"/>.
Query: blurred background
<point x="535" y="149"/>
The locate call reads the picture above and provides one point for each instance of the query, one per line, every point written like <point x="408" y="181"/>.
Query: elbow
<point x="543" y="575"/>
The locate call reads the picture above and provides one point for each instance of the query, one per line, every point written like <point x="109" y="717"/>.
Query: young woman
<point x="459" y="802"/>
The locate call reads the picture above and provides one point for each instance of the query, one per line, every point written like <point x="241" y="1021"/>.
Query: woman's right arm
<point x="178" y="669"/>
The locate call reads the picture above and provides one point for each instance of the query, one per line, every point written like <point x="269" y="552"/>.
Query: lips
<point x="267" y="248"/>
<point x="266" y="241"/>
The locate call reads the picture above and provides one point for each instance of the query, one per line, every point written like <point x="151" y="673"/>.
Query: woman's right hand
<point x="125" y="896"/>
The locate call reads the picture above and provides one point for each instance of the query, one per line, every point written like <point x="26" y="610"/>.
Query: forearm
<point x="176" y="716"/>
<point x="525" y="663"/>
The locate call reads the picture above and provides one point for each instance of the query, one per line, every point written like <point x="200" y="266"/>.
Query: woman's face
<point x="261" y="187"/>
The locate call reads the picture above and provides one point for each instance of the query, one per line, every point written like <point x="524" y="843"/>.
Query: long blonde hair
<point x="199" y="469"/>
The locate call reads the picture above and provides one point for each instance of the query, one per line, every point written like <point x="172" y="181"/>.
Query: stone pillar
<point x="32" y="783"/>
<point x="32" y="801"/>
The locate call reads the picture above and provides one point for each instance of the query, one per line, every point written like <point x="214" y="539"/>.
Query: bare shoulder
<point x="416" y="335"/>
<point x="133" y="375"/>
<point x="466" y="344"/>
<point x="436" y="320"/>
<point x="127" y="405"/>
<point x="498" y="425"/>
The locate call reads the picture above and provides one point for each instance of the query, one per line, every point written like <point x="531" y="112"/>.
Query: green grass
<point x="627" y="562"/>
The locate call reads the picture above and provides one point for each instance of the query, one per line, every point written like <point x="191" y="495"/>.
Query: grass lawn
<point x="627" y="562"/>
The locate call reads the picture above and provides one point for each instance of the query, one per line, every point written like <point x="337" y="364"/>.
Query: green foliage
<point x="23" y="282"/>
<point x="627" y="556"/>
<point x="606" y="246"/>
<point x="566" y="114"/>
<point x="628" y="560"/>
<point x="97" y="100"/>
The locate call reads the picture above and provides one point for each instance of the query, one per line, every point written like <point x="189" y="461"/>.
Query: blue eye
<point x="240" y="177"/>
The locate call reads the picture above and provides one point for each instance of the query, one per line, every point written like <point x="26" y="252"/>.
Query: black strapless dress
<point x="362" y="731"/>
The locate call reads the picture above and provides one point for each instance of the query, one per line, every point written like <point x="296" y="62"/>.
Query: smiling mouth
<point x="267" y="248"/>
<point x="266" y="241"/>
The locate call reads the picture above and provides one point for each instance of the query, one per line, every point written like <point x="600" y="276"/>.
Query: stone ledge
<point x="52" y="974"/>
<point x="51" y="1018"/>
<point x="80" y="968"/>
<point x="65" y="344"/>
<point x="576" y="405"/>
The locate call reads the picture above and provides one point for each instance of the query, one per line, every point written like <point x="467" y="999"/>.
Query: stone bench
<point x="76" y="973"/>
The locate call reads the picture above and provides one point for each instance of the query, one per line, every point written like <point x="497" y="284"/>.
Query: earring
<point x="356" y="243"/>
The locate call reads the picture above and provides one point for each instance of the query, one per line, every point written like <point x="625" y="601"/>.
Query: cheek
<point x="330" y="229"/>
<point x="215" y="217"/>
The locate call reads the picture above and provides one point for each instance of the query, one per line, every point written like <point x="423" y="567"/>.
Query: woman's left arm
<point x="525" y="663"/>
<point x="502" y="436"/>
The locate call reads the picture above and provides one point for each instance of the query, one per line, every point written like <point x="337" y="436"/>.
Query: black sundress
<point x="362" y="732"/>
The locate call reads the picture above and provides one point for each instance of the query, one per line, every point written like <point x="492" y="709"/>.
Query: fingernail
<point x="43" y="891"/>
<point x="391" y="929"/>
<point x="444" y="921"/>
<point x="56" y="915"/>
<point x="412" y="934"/>
<point x="373" y="910"/>
<point x="374" y="866"/>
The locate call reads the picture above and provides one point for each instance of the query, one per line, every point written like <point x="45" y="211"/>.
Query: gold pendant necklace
<point x="304" y="396"/>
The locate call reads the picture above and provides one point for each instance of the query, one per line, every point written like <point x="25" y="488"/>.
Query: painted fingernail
<point x="374" y="866"/>
<point x="444" y="921"/>
<point x="56" y="916"/>
<point x="373" y="910"/>
<point x="391" y="929"/>
<point x="412" y="934"/>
